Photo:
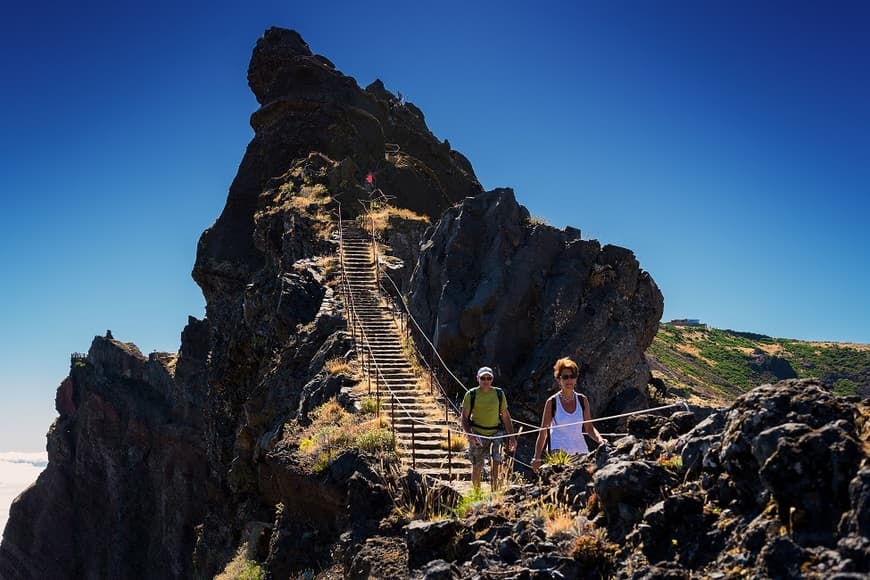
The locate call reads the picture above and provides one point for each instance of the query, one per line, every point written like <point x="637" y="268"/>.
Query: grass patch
<point x="337" y="366"/>
<point x="376" y="440"/>
<point x="381" y="213"/>
<point x="421" y="503"/>
<point x="311" y="202"/>
<point x="240" y="568"/>
<point x="457" y="442"/>
<point x="368" y="406"/>
<point x="471" y="501"/>
<point x="674" y="462"/>
<point x="558" y="457"/>
<point x="333" y="429"/>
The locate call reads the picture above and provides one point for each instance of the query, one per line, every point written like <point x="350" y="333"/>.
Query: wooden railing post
<point x="432" y="371"/>
<point x="449" y="455"/>
<point x="413" y="446"/>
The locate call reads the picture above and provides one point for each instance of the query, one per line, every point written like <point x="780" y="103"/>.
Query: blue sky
<point x="726" y="143"/>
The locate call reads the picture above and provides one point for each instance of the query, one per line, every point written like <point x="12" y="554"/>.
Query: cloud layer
<point x="17" y="471"/>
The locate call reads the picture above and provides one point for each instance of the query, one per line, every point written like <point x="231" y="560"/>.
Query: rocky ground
<point x="776" y="486"/>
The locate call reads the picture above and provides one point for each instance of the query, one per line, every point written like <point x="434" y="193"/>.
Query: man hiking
<point x="485" y="413"/>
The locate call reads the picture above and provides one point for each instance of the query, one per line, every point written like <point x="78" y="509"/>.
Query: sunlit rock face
<point x="126" y="463"/>
<point x="494" y="287"/>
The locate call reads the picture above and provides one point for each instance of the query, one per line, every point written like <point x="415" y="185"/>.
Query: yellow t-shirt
<point x="486" y="415"/>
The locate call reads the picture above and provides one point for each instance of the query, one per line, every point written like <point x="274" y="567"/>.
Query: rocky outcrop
<point x="529" y="294"/>
<point x="639" y="509"/>
<point x="122" y="490"/>
<point x="306" y="106"/>
<point x="770" y="368"/>
<point x="166" y="466"/>
<point x="265" y="269"/>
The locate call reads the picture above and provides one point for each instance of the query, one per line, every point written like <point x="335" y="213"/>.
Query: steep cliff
<point x="122" y="491"/>
<point x="266" y="272"/>
<point x="165" y="467"/>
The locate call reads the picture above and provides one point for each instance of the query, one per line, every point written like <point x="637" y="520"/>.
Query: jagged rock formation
<point x="197" y="461"/>
<point x="306" y="106"/>
<point x="262" y="267"/>
<point x="122" y="491"/>
<point x="777" y="486"/>
<point x="530" y="294"/>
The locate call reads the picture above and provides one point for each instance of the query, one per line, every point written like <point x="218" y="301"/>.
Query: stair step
<point x="402" y="397"/>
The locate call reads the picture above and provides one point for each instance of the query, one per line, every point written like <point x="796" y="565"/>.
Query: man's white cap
<point x="484" y="371"/>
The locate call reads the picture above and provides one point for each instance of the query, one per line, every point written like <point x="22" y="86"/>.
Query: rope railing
<point x="371" y="363"/>
<point x="535" y="428"/>
<point x="423" y="335"/>
<point x="429" y="365"/>
<point x="369" y="360"/>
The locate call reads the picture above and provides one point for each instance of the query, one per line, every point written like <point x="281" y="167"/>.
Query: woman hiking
<point x="564" y="416"/>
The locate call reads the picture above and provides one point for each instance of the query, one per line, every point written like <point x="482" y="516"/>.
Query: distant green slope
<point x="722" y="364"/>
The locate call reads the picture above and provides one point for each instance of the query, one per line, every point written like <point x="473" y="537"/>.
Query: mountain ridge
<point x="704" y="363"/>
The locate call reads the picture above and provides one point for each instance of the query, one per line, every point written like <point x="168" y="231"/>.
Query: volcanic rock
<point x="529" y="294"/>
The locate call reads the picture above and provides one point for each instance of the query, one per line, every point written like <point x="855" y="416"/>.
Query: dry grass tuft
<point x="240" y="568"/>
<point x="595" y="552"/>
<point x="559" y="519"/>
<point x="457" y="442"/>
<point x="381" y="213"/>
<point x="337" y="366"/>
<point x="333" y="430"/>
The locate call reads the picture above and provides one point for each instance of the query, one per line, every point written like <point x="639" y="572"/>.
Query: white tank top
<point x="568" y="439"/>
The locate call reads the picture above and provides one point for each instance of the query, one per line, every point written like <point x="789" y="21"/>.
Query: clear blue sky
<point x="726" y="143"/>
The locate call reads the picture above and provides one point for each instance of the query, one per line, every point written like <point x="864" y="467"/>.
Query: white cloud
<point x="17" y="471"/>
<point x="38" y="458"/>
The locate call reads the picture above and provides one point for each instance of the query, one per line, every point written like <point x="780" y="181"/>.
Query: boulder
<point x="625" y="489"/>
<point x="429" y="541"/>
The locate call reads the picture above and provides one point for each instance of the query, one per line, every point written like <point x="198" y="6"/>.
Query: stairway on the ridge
<point x="400" y="383"/>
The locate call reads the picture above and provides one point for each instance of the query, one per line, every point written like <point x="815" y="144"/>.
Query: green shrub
<point x="252" y="571"/>
<point x="845" y="387"/>
<point x="558" y="457"/>
<point x="322" y="461"/>
<point x="674" y="462"/>
<point x="376" y="440"/>
<point x="369" y="405"/>
<point x="472" y="499"/>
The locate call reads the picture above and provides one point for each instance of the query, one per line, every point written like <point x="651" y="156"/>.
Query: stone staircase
<point x="420" y="423"/>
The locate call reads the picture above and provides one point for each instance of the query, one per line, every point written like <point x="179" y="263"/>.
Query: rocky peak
<point x="308" y="106"/>
<point x="194" y="456"/>
<point x="277" y="51"/>
<point x="493" y="287"/>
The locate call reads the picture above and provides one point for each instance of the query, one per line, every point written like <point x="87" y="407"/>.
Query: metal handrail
<point x="380" y="378"/>
<point x="433" y="379"/>
<point x="371" y="362"/>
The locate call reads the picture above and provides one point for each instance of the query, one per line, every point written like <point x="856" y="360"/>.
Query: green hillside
<point x="719" y="365"/>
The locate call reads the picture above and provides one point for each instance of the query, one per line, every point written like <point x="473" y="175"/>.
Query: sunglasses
<point x="485" y="378"/>
<point x="566" y="377"/>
